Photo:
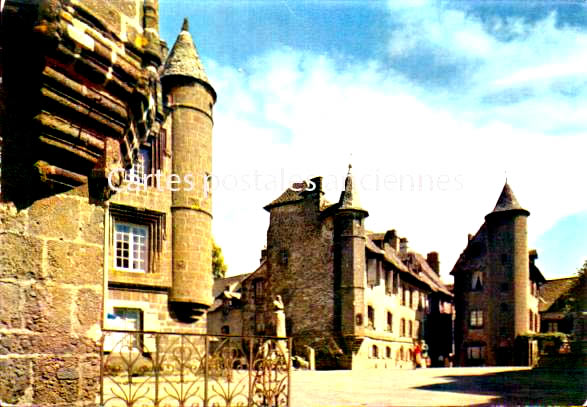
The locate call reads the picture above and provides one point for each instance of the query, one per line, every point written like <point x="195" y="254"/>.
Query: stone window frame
<point x="154" y="222"/>
<point x="402" y="330"/>
<point x="410" y="329"/>
<point x="476" y="318"/>
<point x="131" y="243"/>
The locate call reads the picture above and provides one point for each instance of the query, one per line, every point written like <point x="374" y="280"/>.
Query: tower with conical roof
<point x="190" y="98"/>
<point x="508" y="273"/>
<point x="350" y="263"/>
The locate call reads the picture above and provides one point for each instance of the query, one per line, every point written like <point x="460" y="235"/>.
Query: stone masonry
<point x="95" y="117"/>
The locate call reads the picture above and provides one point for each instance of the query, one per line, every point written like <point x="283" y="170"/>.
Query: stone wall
<point x="300" y="268"/>
<point x="51" y="287"/>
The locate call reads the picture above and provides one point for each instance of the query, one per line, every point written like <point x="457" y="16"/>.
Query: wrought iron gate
<point x="144" y="369"/>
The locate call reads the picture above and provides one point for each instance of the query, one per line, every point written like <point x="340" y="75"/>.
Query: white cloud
<point x="291" y="114"/>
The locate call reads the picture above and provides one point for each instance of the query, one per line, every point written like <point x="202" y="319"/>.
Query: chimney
<point x="403" y="245"/>
<point x="394" y="240"/>
<point x="533" y="255"/>
<point x="263" y="255"/>
<point x="433" y="262"/>
<point x="469" y="237"/>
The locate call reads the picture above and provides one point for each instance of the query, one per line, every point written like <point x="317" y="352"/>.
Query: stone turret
<point x="190" y="97"/>
<point x="507" y="241"/>
<point x="349" y="232"/>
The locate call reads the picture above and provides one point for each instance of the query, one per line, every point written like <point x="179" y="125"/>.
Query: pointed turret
<point x="190" y="99"/>
<point x="184" y="60"/>
<point x="507" y="202"/>
<point x="349" y="198"/>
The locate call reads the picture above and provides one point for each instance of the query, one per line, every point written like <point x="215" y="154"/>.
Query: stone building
<point x="105" y="210"/>
<point x="359" y="299"/>
<point x="496" y="289"/>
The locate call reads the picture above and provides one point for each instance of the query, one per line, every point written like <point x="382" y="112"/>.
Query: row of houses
<point x="365" y="299"/>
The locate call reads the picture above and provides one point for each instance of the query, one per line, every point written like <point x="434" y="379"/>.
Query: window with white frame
<point x="130" y="243"/>
<point x="136" y="238"/>
<point x="476" y="318"/>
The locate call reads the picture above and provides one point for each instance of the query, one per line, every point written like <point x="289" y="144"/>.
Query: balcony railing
<point x="144" y="369"/>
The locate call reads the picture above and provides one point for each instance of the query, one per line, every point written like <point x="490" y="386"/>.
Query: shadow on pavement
<point x="526" y="387"/>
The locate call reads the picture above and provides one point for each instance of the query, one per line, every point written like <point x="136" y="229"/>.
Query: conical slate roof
<point x="507" y="201"/>
<point x="183" y="60"/>
<point x="349" y="198"/>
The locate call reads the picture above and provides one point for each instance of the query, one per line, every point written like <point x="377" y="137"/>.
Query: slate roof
<point x="507" y="201"/>
<point x="412" y="263"/>
<point x="474" y="255"/>
<point x="220" y="284"/>
<point x="552" y="291"/>
<point x="349" y="198"/>
<point x="184" y="60"/>
<point x="289" y="196"/>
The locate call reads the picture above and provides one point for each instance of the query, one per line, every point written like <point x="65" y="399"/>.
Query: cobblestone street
<point x="439" y="387"/>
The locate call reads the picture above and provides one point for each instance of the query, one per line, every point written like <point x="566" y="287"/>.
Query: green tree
<point x="218" y="266"/>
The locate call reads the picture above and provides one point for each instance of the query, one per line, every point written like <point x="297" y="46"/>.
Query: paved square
<point x="439" y="387"/>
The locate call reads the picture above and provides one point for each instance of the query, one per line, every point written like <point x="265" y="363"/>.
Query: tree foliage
<point x="218" y="266"/>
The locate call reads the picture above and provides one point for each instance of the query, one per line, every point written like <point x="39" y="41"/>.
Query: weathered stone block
<point x="12" y="220"/>
<point x="93" y="230"/>
<point x="48" y="309"/>
<point x="10" y="314"/>
<point x="90" y="379"/>
<point x="14" y="380"/>
<point x="89" y="309"/>
<point x="21" y="257"/>
<point x="57" y="216"/>
<point x="74" y="263"/>
<point x="48" y="387"/>
<point x="17" y="343"/>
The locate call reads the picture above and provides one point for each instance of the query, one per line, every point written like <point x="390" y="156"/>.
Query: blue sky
<point x="437" y="102"/>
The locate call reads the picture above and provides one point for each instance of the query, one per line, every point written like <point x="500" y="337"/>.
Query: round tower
<point x="349" y="232"/>
<point x="190" y="98"/>
<point x="509" y="279"/>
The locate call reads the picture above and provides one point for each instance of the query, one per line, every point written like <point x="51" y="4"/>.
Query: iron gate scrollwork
<point x="153" y="369"/>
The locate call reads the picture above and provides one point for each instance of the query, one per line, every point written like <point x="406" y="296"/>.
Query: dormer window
<point x="477" y="281"/>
